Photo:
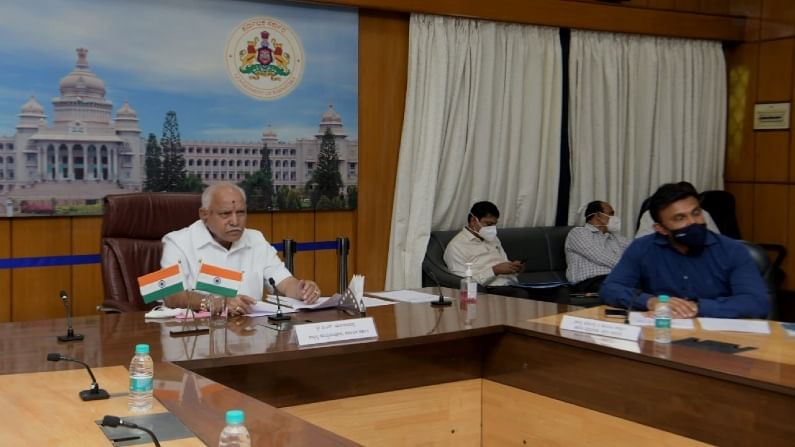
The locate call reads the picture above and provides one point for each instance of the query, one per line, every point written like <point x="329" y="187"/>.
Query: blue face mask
<point x="693" y="236"/>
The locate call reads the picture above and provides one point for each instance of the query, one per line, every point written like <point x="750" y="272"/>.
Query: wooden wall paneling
<point x="744" y="200"/>
<point x="742" y="63"/>
<point x="329" y="225"/>
<point x="5" y="274"/>
<point x="789" y="261"/>
<point x="778" y="19"/>
<point x="770" y="214"/>
<point x="446" y="414"/>
<point x="383" y="62"/>
<point x="512" y="416"/>
<point x="263" y="222"/>
<point x="718" y="7"/>
<point x="299" y="226"/>
<point x="775" y="70"/>
<point x="745" y="8"/>
<point x="574" y="14"/>
<point x="35" y="292"/>
<point x="87" y="291"/>
<point x="771" y="150"/>
<point x="669" y="5"/>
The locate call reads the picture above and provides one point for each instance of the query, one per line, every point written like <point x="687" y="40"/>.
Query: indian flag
<point x="218" y="281"/>
<point x="160" y="284"/>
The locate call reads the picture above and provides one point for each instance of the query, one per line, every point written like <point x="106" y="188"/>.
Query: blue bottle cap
<point x="235" y="417"/>
<point x="663" y="298"/>
<point x="142" y="349"/>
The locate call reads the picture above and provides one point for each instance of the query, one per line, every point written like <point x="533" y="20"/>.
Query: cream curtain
<point x="643" y="111"/>
<point x="482" y="122"/>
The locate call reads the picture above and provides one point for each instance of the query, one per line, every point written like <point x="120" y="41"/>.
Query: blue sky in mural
<point x="163" y="55"/>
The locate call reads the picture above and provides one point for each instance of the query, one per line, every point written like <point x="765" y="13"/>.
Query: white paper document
<point x="296" y="304"/>
<point x="735" y="325"/>
<point x="375" y="302"/>
<point x="261" y="309"/>
<point x="407" y="296"/>
<point x="640" y="319"/>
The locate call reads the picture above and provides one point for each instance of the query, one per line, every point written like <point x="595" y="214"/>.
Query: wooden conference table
<point x="499" y="373"/>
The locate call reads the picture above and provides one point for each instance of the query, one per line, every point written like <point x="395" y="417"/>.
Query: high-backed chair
<point x="721" y="206"/>
<point x="132" y="228"/>
<point x="768" y="270"/>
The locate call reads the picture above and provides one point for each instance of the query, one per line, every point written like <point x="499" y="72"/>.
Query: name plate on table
<point x="597" y="327"/>
<point x="335" y="331"/>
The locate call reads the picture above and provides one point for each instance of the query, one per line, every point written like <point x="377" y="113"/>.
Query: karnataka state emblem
<point x="264" y="58"/>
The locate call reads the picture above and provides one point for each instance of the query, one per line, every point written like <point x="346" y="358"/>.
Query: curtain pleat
<point x="482" y="122"/>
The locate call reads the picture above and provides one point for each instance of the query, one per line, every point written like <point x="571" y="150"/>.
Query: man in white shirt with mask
<point x="478" y="243"/>
<point x="595" y="248"/>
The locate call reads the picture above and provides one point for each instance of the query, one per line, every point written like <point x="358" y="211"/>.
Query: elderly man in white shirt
<point x="595" y="248"/>
<point x="220" y="238"/>
<point x="477" y="243"/>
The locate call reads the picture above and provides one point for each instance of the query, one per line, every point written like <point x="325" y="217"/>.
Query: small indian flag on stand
<point x="218" y="281"/>
<point x="160" y="284"/>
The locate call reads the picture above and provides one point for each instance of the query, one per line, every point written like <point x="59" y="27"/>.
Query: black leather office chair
<point x="768" y="271"/>
<point x="132" y="227"/>
<point x="721" y="206"/>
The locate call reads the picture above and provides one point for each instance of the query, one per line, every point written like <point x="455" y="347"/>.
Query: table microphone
<point x="115" y="421"/>
<point x="95" y="392"/>
<point x="441" y="302"/>
<point x="70" y="333"/>
<point x="631" y="302"/>
<point x="279" y="315"/>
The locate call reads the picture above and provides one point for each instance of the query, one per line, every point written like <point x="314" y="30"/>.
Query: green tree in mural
<point x="353" y="196"/>
<point x="259" y="185"/>
<point x="193" y="183"/>
<point x="153" y="165"/>
<point x="174" y="176"/>
<point x="293" y="200"/>
<point x="326" y="180"/>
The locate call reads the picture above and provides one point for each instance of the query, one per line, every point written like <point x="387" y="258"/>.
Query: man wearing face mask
<point x="704" y="274"/>
<point x="595" y="248"/>
<point x="477" y="243"/>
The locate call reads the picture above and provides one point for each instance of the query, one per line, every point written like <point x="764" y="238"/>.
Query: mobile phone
<point x="615" y="312"/>
<point x="189" y="331"/>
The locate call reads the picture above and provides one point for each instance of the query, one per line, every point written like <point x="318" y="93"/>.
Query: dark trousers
<point x="590" y="285"/>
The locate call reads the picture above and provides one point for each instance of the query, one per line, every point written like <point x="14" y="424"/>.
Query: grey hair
<point x="207" y="194"/>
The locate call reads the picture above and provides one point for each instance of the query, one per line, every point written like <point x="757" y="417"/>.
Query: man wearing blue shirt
<point x="704" y="274"/>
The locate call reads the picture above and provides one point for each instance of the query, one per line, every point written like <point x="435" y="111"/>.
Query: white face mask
<point x="614" y="224"/>
<point x="488" y="233"/>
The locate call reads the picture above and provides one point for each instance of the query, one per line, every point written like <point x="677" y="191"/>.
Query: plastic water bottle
<point x="468" y="292"/>
<point x="141" y="380"/>
<point x="662" y="320"/>
<point x="235" y="433"/>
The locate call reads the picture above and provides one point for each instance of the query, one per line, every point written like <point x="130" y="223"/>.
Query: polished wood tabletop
<point x="49" y="411"/>
<point x="515" y="342"/>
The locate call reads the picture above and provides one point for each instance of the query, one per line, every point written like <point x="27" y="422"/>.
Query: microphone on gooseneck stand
<point x="631" y="302"/>
<point x="70" y="332"/>
<point x="93" y="393"/>
<point x="279" y="315"/>
<point x="115" y="421"/>
<point x="441" y="301"/>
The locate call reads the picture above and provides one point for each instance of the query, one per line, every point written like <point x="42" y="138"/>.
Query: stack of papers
<point x="734" y="325"/>
<point x="640" y="319"/>
<point x="262" y="309"/>
<point x="293" y="304"/>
